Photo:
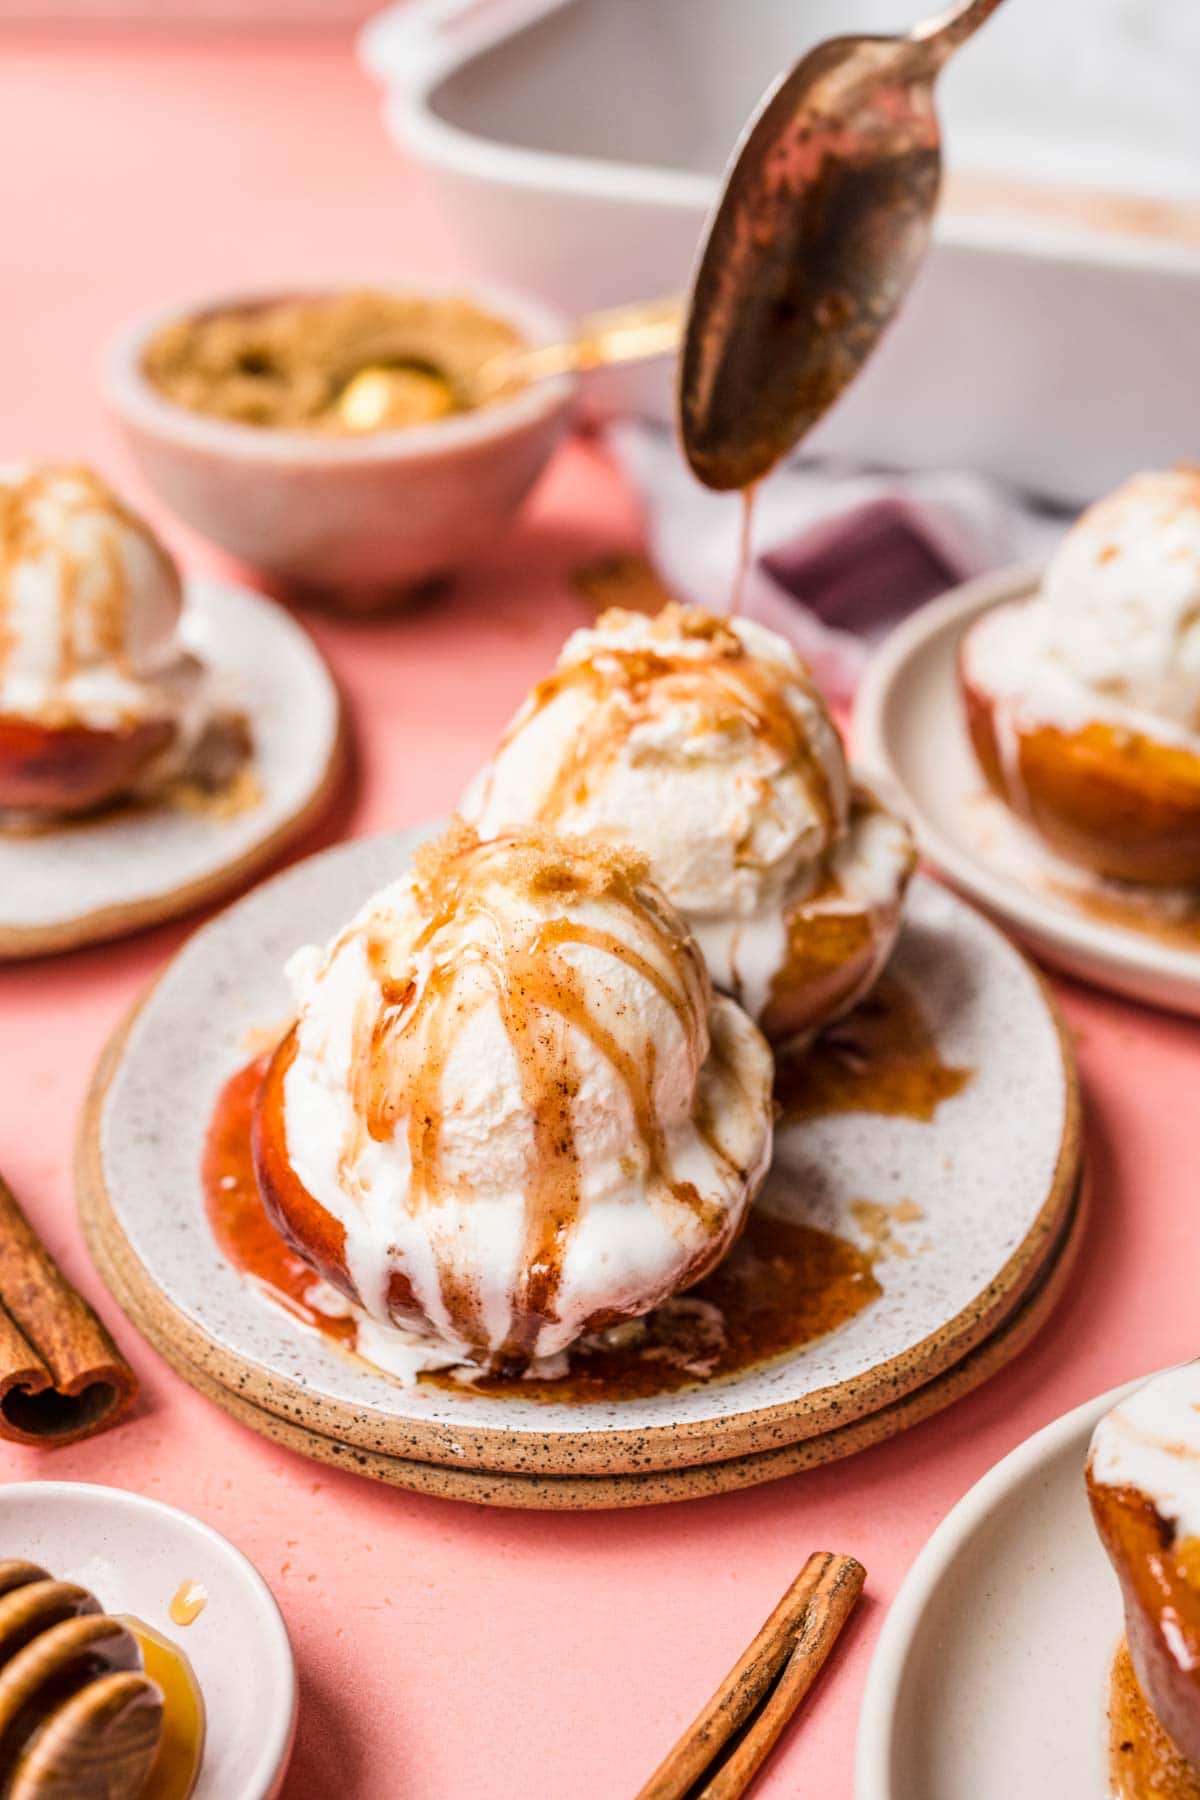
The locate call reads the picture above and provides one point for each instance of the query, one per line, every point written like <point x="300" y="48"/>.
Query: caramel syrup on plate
<point x="783" y="1285"/>
<point x="235" y="1209"/>
<point x="881" y="1058"/>
<point x="1143" y="1763"/>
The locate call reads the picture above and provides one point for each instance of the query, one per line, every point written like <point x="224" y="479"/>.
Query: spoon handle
<point x="942" y="35"/>
<point x="622" y="334"/>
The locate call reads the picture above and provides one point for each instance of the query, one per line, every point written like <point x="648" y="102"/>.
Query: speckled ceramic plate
<point x="991" y="1673"/>
<point x="993" y="1174"/>
<point x="134" y="1554"/>
<point x="909" y="731"/>
<point x="591" y="1493"/>
<point x="137" y="865"/>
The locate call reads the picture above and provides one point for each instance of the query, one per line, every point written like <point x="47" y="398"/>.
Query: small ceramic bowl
<point x="357" y="521"/>
<point x="134" y="1553"/>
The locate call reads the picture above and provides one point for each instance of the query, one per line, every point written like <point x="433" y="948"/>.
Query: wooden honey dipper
<point x="79" y="1718"/>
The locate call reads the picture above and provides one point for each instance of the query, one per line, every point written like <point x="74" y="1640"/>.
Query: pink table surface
<point x="443" y="1650"/>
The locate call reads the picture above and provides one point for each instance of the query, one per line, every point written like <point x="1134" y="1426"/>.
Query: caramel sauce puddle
<point x="881" y="1058"/>
<point x="783" y="1285"/>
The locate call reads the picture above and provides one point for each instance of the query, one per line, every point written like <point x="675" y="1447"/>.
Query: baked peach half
<point x="840" y="936"/>
<point x="319" y="1239"/>
<point x="57" y="770"/>
<point x="308" y="1227"/>
<point x="1159" y="1574"/>
<point x="1115" y="801"/>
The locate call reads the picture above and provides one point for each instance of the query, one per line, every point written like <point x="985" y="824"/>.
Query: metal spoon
<point x="821" y="226"/>
<point x="380" y="394"/>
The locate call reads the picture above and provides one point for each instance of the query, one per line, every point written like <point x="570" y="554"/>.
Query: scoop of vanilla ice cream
<point x="702" y="741"/>
<point x="1120" y="603"/>
<point x="90" y="604"/>
<point x="514" y="1090"/>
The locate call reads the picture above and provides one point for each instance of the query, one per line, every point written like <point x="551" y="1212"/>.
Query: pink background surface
<point x="443" y="1650"/>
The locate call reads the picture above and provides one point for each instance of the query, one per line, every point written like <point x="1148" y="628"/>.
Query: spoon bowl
<point x="823" y="222"/>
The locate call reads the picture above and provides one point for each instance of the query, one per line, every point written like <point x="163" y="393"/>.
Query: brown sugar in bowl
<point x="356" y="521"/>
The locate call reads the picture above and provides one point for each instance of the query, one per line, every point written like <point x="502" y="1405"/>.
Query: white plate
<point x="135" y="866"/>
<point x="988" y="1174"/>
<point x="910" y="732"/>
<point x="134" y="1554"/>
<point x="990" y="1678"/>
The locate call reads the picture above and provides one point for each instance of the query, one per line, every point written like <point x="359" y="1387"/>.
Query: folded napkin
<point x="837" y="556"/>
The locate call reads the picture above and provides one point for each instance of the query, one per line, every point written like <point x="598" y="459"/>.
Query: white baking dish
<point x="1054" y="336"/>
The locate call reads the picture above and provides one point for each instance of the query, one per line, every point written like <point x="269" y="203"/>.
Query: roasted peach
<point x="1160" y="1585"/>
<point x="313" y="1233"/>
<point x="57" y="770"/>
<point x="1117" y="802"/>
<point x="840" y="936"/>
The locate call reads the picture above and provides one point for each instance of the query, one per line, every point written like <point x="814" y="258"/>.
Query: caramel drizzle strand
<point x="21" y="539"/>
<point x="625" y="686"/>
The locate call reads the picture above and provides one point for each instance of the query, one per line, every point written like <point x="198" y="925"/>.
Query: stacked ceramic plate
<point x="969" y="1216"/>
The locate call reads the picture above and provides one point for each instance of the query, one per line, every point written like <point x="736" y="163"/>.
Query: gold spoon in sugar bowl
<point x="379" y="394"/>
<point x="823" y="221"/>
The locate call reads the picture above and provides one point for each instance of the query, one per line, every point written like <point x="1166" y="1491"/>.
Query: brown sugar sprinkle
<point x="877" y="1221"/>
<point x="534" y="862"/>
<point x="285" y="364"/>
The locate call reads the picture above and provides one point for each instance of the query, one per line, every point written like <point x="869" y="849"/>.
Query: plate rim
<point x="122" y="918"/>
<point x="548" y="1492"/>
<point x="878" y="1711"/>
<point x="278" y="1745"/>
<point x="1054" y="930"/>
<point x="598" y="1450"/>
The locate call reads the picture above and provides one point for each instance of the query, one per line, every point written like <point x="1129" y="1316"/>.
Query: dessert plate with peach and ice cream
<point x="157" y="744"/>
<point x="1044" y="734"/>
<point x="1047" y="1639"/>
<point x="593" y="1156"/>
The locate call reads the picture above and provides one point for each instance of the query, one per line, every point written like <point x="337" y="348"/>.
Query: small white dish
<point x="991" y="1673"/>
<point x="909" y="732"/>
<point x="356" y="521"/>
<point x="134" y="1554"/>
<point x="994" y="1173"/>
<point x="136" y="865"/>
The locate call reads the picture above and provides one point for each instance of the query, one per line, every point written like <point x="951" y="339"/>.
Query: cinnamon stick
<point x="61" y="1376"/>
<point x="778" y="1668"/>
